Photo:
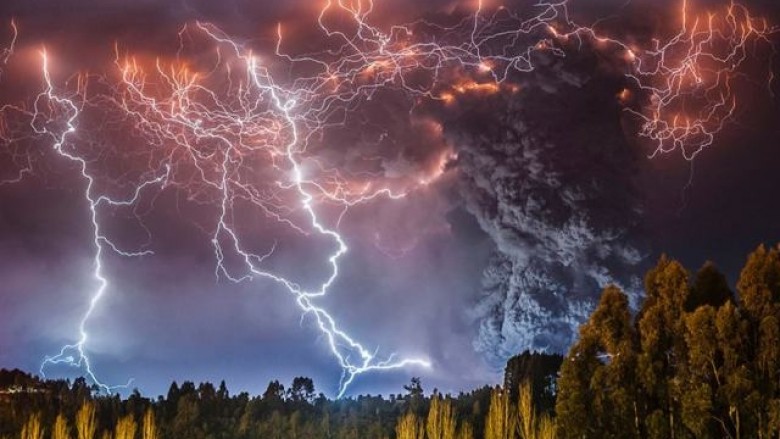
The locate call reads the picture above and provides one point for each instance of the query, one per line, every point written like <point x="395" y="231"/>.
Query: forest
<point x="695" y="360"/>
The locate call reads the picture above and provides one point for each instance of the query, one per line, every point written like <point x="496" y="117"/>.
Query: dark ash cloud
<point x="550" y="176"/>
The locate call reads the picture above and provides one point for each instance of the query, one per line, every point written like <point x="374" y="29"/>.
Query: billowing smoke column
<point x="548" y="173"/>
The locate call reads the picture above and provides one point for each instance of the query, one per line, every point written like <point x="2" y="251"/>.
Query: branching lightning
<point x="74" y="354"/>
<point x="217" y="132"/>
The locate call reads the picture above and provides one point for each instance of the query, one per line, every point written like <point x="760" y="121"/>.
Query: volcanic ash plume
<point x="548" y="174"/>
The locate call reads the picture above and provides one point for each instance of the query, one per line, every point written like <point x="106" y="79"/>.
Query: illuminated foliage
<point x="85" y="421"/>
<point x="598" y="388"/>
<point x="61" y="428"/>
<point x="149" y="427"/>
<point x="501" y="419"/>
<point x="409" y="427"/>
<point x="33" y="429"/>
<point x="441" y="421"/>
<point x="125" y="428"/>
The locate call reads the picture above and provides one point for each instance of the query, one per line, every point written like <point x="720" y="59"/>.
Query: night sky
<point x="520" y="203"/>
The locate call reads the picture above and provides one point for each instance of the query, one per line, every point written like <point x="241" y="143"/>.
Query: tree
<point x="32" y="428"/>
<point x="531" y="424"/>
<point x="540" y="369"/>
<point x="149" y="427"/>
<point x="409" y="426"/>
<point x="710" y="287"/>
<point x="222" y="392"/>
<point x="597" y="394"/>
<point x="187" y="414"/>
<point x="617" y="400"/>
<point x="574" y="406"/>
<point x="662" y="346"/>
<point x="702" y="380"/>
<point x="414" y="388"/>
<point x="465" y="431"/>
<point x="441" y="420"/>
<point x="759" y="283"/>
<point x="740" y="392"/>
<point x="85" y="421"/>
<point x="61" y="428"/>
<point x="759" y="293"/>
<point x="125" y="428"/>
<point x="501" y="421"/>
<point x="414" y="395"/>
<point x="302" y="389"/>
<point x="274" y="391"/>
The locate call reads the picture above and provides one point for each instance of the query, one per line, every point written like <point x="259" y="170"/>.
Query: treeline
<point x="33" y="409"/>
<point x="697" y="360"/>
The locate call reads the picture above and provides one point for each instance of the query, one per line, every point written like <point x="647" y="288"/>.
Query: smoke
<point x="549" y="176"/>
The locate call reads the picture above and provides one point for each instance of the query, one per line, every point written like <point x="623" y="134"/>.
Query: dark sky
<point x="417" y="279"/>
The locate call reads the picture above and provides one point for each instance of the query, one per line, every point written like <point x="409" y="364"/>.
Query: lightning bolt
<point x="6" y="53"/>
<point x="218" y="122"/>
<point x="74" y="354"/>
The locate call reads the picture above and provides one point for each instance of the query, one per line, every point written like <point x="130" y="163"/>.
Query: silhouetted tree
<point x="302" y="389"/>
<point x="274" y="391"/>
<point x="710" y="287"/>
<point x="538" y="368"/>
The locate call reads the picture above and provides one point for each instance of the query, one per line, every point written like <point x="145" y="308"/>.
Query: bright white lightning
<point x="74" y="354"/>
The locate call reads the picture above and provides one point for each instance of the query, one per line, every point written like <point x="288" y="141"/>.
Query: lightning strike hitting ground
<point x="221" y="123"/>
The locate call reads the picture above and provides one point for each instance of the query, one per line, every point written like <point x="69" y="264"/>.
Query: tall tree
<point x="541" y="369"/>
<point x="501" y="421"/>
<point x="574" y="406"/>
<point x="409" y="426"/>
<point x="759" y="292"/>
<point x="125" y="427"/>
<point x="222" y="392"/>
<point x="662" y="346"/>
<point x="740" y="393"/>
<point x="187" y="414"/>
<point x="85" y="421"/>
<point x="533" y="425"/>
<point x="274" y="391"/>
<point x="414" y="395"/>
<point x="32" y="428"/>
<point x="465" y="430"/>
<point x="702" y="378"/>
<point x="302" y="389"/>
<point x="597" y="391"/>
<point x="61" y="428"/>
<point x="149" y="427"/>
<point x="441" y="421"/>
